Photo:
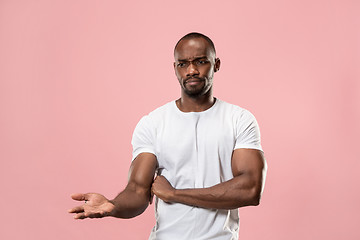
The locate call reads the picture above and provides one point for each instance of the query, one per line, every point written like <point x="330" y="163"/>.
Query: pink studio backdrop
<point x="76" y="76"/>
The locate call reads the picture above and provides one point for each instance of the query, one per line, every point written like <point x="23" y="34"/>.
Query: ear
<point x="175" y="70"/>
<point x="217" y="65"/>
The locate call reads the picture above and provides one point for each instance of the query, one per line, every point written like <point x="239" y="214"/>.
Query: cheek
<point x="179" y="74"/>
<point x="207" y="72"/>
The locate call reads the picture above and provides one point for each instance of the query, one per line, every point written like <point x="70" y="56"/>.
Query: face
<point x="195" y="64"/>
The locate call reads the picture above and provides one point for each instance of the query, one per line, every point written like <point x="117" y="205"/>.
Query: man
<point x="206" y="154"/>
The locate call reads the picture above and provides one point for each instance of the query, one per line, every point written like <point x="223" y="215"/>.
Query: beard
<point x="196" y="90"/>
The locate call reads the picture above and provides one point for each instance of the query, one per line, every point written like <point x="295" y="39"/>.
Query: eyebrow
<point x="185" y="60"/>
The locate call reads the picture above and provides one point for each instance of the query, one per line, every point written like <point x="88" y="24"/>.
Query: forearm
<point x="130" y="203"/>
<point x="244" y="189"/>
<point x="136" y="197"/>
<point x="235" y="193"/>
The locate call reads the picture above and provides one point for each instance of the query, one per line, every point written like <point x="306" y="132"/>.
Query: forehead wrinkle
<point x="191" y="54"/>
<point x="194" y="47"/>
<point x="192" y="58"/>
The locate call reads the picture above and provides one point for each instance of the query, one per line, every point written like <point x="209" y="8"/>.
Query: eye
<point x="181" y="65"/>
<point x="202" y="62"/>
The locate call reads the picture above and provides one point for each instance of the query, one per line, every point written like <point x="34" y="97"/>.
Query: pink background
<point x="76" y="76"/>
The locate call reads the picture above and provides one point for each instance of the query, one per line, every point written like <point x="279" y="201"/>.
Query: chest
<point x="195" y="146"/>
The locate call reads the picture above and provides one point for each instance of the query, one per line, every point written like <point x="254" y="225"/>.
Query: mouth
<point x="193" y="81"/>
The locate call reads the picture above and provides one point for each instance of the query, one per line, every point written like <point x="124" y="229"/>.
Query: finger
<point x="80" y="216"/>
<point x="89" y="215"/>
<point x="78" y="209"/>
<point x="156" y="180"/>
<point x="151" y="197"/>
<point x="153" y="191"/>
<point x="97" y="215"/>
<point x="160" y="178"/>
<point x="79" y="196"/>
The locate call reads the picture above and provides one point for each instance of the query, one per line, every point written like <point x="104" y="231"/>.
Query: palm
<point x="95" y="206"/>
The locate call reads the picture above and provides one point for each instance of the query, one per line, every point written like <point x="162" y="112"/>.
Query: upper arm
<point x="251" y="165"/>
<point x="248" y="159"/>
<point x="144" y="164"/>
<point x="142" y="172"/>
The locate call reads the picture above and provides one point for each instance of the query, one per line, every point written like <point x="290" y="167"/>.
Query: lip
<point x="193" y="80"/>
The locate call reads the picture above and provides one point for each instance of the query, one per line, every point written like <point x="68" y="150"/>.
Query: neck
<point x="195" y="104"/>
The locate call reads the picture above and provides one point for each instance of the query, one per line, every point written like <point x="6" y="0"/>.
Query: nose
<point x="192" y="70"/>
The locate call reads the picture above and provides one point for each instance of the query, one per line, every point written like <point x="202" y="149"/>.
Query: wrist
<point x="173" y="195"/>
<point x="112" y="209"/>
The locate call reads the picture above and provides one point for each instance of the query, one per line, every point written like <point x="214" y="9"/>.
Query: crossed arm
<point x="249" y="170"/>
<point x="248" y="167"/>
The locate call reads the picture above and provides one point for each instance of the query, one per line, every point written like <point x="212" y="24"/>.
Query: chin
<point x="195" y="93"/>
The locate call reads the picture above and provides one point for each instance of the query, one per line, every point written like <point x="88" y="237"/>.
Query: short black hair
<point x="193" y="35"/>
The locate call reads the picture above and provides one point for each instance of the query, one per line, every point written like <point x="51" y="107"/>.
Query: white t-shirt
<point x="194" y="150"/>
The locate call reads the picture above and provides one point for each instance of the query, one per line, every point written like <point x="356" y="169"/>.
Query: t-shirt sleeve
<point x="248" y="132"/>
<point x="143" y="137"/>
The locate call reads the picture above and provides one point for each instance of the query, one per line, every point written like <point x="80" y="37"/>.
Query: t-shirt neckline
<point x="202" y="112"/>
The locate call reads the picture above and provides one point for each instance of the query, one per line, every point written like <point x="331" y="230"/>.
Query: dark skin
<point x="195" y="65"/>
<point x="129" y="203"/>
<point x="243" y="190"/>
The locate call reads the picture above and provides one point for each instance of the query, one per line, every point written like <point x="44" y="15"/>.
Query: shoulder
<point x="158" y="114"/>
<point x="234" y="110"/>
<point x="164" y="109"/>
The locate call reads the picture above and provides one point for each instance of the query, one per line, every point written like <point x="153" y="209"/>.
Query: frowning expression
<point x="195" y="64"/>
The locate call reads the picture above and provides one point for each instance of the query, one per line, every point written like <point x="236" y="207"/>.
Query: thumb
<point x="79" y="196"/>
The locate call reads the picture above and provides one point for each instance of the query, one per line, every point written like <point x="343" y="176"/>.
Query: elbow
<point x="255" y="196"/>
<point x="256" y="191"/>
<point x="255" y="201"/>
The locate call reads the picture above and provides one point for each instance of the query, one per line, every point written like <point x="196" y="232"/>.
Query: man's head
<point x="193" y="35"/>
<point x="195" y="64"/>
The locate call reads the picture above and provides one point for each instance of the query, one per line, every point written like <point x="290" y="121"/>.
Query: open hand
<point x="162" y="189"/>
<point x="95" y="206"/>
